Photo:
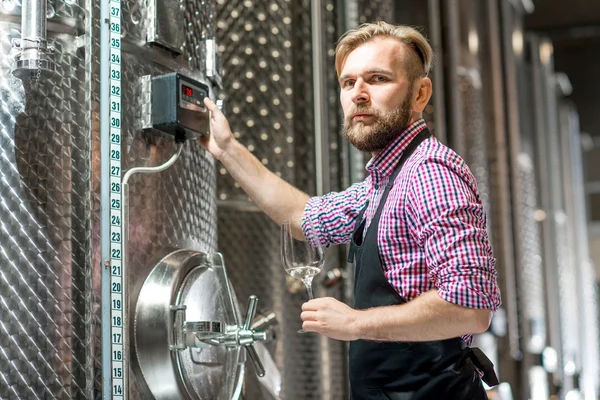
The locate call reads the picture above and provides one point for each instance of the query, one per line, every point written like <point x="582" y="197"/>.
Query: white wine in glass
<point x="302" y="257"/>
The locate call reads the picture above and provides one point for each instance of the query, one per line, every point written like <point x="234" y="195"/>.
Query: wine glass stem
<point x="308" y="283"/>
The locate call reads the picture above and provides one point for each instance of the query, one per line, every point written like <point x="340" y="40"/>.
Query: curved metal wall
<point x="45" y="243"/>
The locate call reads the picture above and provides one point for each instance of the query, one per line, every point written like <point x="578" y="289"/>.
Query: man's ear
<point x="423" y="89"/>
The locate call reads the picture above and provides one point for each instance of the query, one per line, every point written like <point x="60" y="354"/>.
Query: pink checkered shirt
<point x="432" y="231"/>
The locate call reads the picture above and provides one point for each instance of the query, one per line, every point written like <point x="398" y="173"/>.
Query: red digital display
<point x="187" y="91"/>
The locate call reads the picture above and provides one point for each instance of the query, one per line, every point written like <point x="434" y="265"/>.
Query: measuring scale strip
<point x="117" y="295"/>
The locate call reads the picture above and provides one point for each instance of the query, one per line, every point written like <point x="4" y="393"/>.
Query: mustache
<point x="363" y="110"/>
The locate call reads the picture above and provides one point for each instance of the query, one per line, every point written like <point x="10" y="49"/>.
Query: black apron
<point x="405" y="371"/>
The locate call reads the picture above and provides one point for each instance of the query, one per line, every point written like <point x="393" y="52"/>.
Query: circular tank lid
<point x="198" y="282"/>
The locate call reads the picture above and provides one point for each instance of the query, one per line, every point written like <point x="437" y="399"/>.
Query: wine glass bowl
<point x="302" y="253"/>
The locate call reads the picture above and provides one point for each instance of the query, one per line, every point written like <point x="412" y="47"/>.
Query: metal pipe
<point x="438" y="71"/>
<point x="152" y="170"/>
<point x="322" y="175"/>
<point x="455" y="134"/>
<point x="33" y="61"/>
<point x="33" y="21"/>
<point x="320" y="100"/>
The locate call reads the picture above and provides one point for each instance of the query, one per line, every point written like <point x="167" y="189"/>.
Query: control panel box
<point x="178" y="105"/>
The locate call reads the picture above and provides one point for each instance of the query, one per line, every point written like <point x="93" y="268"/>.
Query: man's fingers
<point x="216" y="114"/>
<point x="315" y="304"/>
<point x="312" y="305"/>
<point x="211" y="105"/>
<point x="310" y="326"/>
<point x="308" y="315"/>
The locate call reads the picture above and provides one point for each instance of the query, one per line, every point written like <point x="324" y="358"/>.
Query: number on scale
<point x="117" y="338"/>
<point x="117" y="306"/>
<point x="117" y="389"/>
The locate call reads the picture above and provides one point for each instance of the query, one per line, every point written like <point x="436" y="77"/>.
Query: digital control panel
<point x="178" y="105"/>
<point x="193" y="95"/>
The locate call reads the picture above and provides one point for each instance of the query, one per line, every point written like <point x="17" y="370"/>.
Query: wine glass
<point x="302" y="258"/>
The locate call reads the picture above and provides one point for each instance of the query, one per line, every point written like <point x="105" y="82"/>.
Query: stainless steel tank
<point x="50" y="335"/>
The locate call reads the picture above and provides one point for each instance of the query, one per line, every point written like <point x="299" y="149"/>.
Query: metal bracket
<point x="178" y="342"/>
<point x="212" y="63"/>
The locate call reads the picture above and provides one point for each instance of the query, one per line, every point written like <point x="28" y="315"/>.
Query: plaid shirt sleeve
<point x="334" y="214"/>
<point x="447" y="219"/>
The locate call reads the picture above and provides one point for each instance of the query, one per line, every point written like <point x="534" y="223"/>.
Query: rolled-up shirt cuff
<point x="468" y="297"/>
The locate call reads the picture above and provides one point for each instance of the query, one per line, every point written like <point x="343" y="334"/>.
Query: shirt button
<point x="376" y="187"/>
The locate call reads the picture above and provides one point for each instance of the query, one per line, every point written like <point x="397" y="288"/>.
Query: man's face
<point x="376" y="94"/>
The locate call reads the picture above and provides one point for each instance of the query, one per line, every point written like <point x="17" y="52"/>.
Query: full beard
<point x="385" y="128"/>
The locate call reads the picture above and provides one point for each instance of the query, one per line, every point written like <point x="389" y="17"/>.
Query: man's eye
<point x="380" y="78"/>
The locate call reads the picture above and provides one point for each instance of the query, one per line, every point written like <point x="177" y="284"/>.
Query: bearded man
<point x="425" y="276"/>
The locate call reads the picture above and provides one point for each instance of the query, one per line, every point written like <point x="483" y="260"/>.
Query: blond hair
<point x="405" y="34"/>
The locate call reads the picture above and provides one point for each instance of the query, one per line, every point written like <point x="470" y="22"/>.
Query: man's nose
<point x="360" y="92"/>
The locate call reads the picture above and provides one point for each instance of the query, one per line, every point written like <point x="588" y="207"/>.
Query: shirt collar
<point x="383" y="164"/>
